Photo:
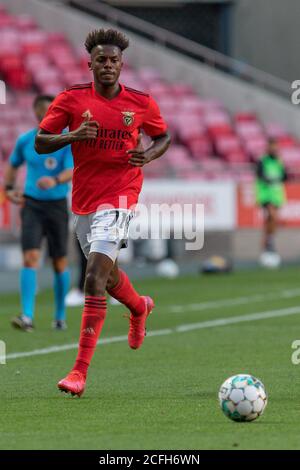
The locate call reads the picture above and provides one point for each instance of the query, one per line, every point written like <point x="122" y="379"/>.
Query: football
<point x="242" y="397"/>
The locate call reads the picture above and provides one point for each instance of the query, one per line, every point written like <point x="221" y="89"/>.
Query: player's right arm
<point x="16" y="159"/>
<point x="45" y="142"/>
<point x="50" y="136"/>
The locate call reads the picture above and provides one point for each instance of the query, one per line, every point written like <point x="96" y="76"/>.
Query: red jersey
<point x="102" y="173"/>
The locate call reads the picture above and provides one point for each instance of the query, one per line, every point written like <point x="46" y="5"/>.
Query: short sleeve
<point x="58" y="115"/>
<point x="68" y="158"/>
<point x="16" y="158"/>
<point x="153" y="123"/>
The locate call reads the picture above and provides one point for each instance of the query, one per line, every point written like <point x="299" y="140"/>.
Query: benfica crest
<point x="87" y="115"/>
<point x="128" y="117"/>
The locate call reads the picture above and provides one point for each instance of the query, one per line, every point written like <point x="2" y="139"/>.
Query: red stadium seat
<point x="56" y="38"/>
<point x="236" y="156"/>
<point x="275" y="130"/>
<point x="249" y="129"/>
<point x="6" y="20"/>
<point x="217" y="117"/>
<point x="216" y="131"/>
<point x="200" y="147"/>
<point x="52" y="88"/>
<point x="149" y="75"/>
<point x="10" y="61"/>
<point x="290" y="155"/>
<point x="286" y="141"/>
<point x="245" y="117"/>
<point x="158" y="89"/>
<point x="225" y="144"/>
<point x="181" y="90"/>
<point x="210" y="104"/>
<point x="167" y="103"/>
<point x="256" y="147"/>
<point x="25" y="23"/>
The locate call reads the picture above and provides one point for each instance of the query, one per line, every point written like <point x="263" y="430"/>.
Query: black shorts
<point x="45" y="219"/>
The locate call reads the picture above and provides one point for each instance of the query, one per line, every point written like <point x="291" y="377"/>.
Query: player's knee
<point x="31" y="259"/>
<point x="95" y="283"/>
<point x="60" y="264"/>
<point x="271" y="217"/>
<point x="112" y="281"/>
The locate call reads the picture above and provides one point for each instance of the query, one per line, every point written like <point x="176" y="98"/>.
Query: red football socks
<point x="93" y="317"/>
<point x="125" y="293"/>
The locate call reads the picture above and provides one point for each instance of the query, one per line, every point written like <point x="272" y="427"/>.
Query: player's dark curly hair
<point x="101" y="37"/>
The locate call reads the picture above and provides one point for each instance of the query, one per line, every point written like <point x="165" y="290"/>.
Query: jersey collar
<point x="105" y="99"/>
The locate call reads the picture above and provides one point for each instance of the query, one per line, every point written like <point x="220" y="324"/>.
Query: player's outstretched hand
<point x="138" y="155"/>
<point x="15" y="196"/>
<point x="86" y="130"/>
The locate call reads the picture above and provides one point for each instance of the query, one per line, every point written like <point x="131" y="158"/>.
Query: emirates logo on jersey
<point x="87" y="115"/>
<point x="128" y="117"/>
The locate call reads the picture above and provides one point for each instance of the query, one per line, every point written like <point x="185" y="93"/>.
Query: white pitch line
<point x="214" y="304"/>
<point x="168" y="331"/>
<point x="231" y="302"/>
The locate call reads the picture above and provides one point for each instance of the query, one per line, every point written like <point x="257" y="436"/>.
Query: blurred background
<point x="221" y="72"/>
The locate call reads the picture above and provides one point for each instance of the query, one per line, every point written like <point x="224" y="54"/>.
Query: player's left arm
<point x="140" y="157"/>
<point x="156" y="128"/>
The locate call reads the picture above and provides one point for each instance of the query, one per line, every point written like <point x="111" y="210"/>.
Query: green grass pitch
<point x="163" y="396"/>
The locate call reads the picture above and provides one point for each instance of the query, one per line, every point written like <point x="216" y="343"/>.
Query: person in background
<point x="44" y="213"/>
<point x="270" y="194"/>
<point x="75" y="297"/>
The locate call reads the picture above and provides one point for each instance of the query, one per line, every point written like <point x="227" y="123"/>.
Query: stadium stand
<point x="208" y="141"/>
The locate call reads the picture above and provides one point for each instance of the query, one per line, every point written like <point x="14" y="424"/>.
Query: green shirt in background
<point x="270" y="176"/>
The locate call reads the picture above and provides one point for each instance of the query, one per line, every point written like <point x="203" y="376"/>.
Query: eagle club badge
<point x="87" y="115"/>
<point x="128" y="117"/>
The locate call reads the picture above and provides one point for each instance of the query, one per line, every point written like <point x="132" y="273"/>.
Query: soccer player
<point x="104" y="119"/>
<point x="44" y="212"/>
<point x="270" y="193"/>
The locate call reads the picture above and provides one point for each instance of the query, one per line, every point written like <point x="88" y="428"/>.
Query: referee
<point x="44" y="213"/>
